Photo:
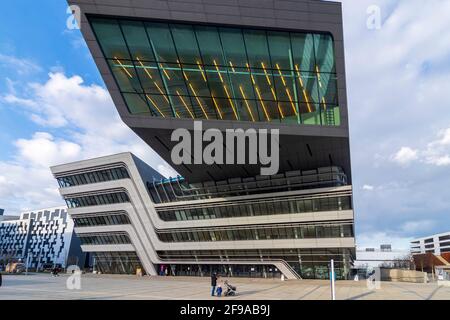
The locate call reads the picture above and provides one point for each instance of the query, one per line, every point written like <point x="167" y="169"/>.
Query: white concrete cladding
<point x="436" y="244"/>
<point x="145" y="221"/>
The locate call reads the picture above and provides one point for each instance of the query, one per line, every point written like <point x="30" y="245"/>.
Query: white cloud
<point x="436" y="152"/>
<point x="81" y="123"/>
<point x="44" y="150"/>
<point x="405" y="156"/>
<point x="368" y="187"/>
<point x="12" y="99"/>
<point x="19" y="65"/>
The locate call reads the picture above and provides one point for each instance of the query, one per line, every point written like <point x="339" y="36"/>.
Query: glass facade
<point x="93" y="177"/>
<point x="177" y="189"/>
<point x="104" y="238"/>
<point x="257" y="208"/>
<point x="308" y="263"/>
<point x="101" y="220"/>
<point x="117" y="262"/>
<point x="259" y="233"/>
<point x="211" y="72"/>
<point x="97" y="200"/>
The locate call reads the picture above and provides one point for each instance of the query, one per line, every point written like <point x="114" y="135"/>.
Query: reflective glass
<point x="207" y="72"/>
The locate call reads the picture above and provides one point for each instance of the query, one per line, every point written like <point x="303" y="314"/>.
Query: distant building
<point x="41" y="237"/>
<point x="436" y="244"/>
<point x="382" y="257"/>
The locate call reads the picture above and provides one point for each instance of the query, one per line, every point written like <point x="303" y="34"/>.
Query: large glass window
<point x="270" y="207"/>
<point x="104" y="238"/>
<point x="93" y="177"/>
<point x="101" y="220"/>
<point x="208" y="72"/>
<point x="337" y="230"/>
<point x="97" y="200"/>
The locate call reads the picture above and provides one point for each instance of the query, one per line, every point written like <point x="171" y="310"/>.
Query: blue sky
<point x="54" y="109"/>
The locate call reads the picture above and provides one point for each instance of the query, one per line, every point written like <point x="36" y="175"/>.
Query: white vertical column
<point x="333" y="291"/>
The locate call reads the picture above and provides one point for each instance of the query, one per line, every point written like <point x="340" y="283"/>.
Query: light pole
<point x="332" y="276"/>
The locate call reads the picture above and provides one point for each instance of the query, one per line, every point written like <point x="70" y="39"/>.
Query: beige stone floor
<point x="43" y="286"/>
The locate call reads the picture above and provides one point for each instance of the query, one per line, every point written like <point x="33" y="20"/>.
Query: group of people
<point x="218" y="284"/>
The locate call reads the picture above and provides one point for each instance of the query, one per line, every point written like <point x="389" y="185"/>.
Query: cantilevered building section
<point x="232" y="64"/>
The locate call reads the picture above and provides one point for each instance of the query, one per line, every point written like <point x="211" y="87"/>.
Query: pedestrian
<point x="219" y="287"/>
<point x="213" y="283"/>
<point x="0" y="279"/>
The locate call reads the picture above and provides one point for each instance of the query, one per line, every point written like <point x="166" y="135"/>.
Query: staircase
<point x="329" y="117"/>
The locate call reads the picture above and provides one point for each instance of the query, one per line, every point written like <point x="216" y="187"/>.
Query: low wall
<point x="398" y="275"/>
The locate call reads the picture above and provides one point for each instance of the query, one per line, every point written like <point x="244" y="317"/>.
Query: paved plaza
<point x="44" y="286"/>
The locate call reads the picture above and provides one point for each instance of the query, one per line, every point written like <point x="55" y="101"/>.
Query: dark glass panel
<point x="110" y="38"/>
<point x="186" y="44"/>
<point x="303" y="52"/>
<point x="137" y="40"/>
<point x="233" y="46"/>
<point x="161" y="42"/>
<point x="324" y="50"/>
<point x="210" y="45"/>
<point x="125" y="75"/>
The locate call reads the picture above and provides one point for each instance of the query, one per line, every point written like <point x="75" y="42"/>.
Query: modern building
<point x="39" y="238"/>
<point x="267" y="64"/>
<point x="435" y="244"/>
<point x="381" y="257"/>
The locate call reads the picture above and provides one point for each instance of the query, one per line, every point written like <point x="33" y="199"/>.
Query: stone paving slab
<point x="46" y="287"/>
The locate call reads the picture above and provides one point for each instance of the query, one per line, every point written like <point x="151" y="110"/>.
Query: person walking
<point x="213" y="283"/>
<point x="0" y="279"/>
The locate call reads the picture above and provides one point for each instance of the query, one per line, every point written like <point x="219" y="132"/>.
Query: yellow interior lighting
<point x="232" y="67"/>
<point x="246" y="103"/>
<point x="161" y="91"/>
<point x="217" y="107"/>
<point x="262" y="103"/>
<point x="303" y="89"/>
<point x="292" y="102"/>
<point x="155" y="105"/>
<point x="265" y="72"/>
<point x="231" y="102"/>
<point x="281" y="110"/>
<point x="123" y="67"/>
<point x="185" y="104"/>
<point x="318" y="76"/>
<point x="281" y="74"/>
<point x="251" y="75"/>
<point x="201" y="70"/>
<point x="184" y="73"/>
<point x="145" y="69"/>
<point x="218" y="71"/>
<point x="165" y="71"/>
<point x="199" y="102"/>
<point x="273" y="93"/>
